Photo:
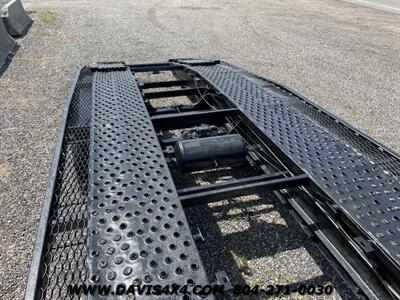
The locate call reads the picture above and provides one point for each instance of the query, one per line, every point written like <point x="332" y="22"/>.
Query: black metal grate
<point x="115" y="215"/>
<point x="65" y="253"/>
<point x="363" y="191"/>
<point x="138" y="229"/>
<point x="365" y="147"/>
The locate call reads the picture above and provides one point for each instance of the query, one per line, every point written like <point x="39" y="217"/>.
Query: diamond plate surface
<point x="363" y="190"/>
<point x="138" y="230"/>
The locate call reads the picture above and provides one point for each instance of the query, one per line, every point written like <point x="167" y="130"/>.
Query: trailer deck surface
<point x="112" y="214"/>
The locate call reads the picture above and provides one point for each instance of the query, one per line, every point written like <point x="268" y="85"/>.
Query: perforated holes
<point x="131" y="182"/>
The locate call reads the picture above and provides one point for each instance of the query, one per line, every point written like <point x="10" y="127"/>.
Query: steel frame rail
<point x="36" y="272"/>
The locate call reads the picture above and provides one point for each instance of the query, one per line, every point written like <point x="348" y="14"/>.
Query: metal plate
<point x="363" y="190"/>
<point x="138" y="230"/>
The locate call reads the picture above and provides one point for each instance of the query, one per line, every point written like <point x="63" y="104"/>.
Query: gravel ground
<point x="343" y="56"/>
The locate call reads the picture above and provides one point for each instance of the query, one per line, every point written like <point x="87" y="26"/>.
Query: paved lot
<point x="387" y="5"/>
<point x="343" y="56"/>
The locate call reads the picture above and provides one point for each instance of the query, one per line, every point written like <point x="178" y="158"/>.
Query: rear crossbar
<point x="188" y="119"/>
<point x="222" y="191"/>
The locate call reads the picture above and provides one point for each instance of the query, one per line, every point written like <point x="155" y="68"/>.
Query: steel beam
<point x="189" y="119"/>
<point x="171" y="93"/>
<point x="160" y="84"/>
<point x="224" y="185"/>
<point x="173" y="110"/>
<point x="243" y="190"/>
<point x="154" y="68"/>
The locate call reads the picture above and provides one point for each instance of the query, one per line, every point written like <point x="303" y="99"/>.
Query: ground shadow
<point x="260" y="239"/>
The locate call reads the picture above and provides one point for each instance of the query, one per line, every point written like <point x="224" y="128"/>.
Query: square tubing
<point x="172" y="93"/>
<point x="190" y="119"/>
<point x="159" y="84"/>
<point x="233" y="183"/>
<point x="244" y="190"/>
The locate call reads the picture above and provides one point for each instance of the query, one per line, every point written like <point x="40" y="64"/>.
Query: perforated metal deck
<point x="139" y="233"/>
<point x="363" y="189"/>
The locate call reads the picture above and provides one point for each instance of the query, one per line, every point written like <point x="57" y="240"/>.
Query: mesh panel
<point x="370" y="150"/>
<point x="65" y="253"/>
<point x="331" y="156"/>
<point x="367" y="148"/>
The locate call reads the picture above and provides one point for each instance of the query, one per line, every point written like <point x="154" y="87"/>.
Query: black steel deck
<point x="361" y="188"/>
<point x="139" y="231"/>
<point x="112" y="213"/>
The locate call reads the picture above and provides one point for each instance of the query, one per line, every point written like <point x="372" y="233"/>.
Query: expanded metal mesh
<point x="331" y="154"/>
<point x="64" y="259"/>
<point x="370" y="150"/>
<point x="65" y="252"/>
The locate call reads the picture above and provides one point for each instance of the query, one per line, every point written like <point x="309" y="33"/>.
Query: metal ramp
<point x="358" y="187"/>
<point x="139" y="230"/>
<point x="112" y="214"/>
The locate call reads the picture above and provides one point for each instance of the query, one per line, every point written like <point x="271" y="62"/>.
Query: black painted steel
<point x="160" y="84"/>
<point x="188" y="119"/>
<point x="171" y="93"/>
<point x="60" y="251"/>
<point x="180" y="109"/>
<point x="112" y="214"/>
<point x="139" y="232"/>
<point x="208" y="196"/>
<point x="154" y="67"/>
<point x="355" y="173"/>
<point x="333" y="165"/>
<point x="236" y="182"/>
<point x="320" y="227"/>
